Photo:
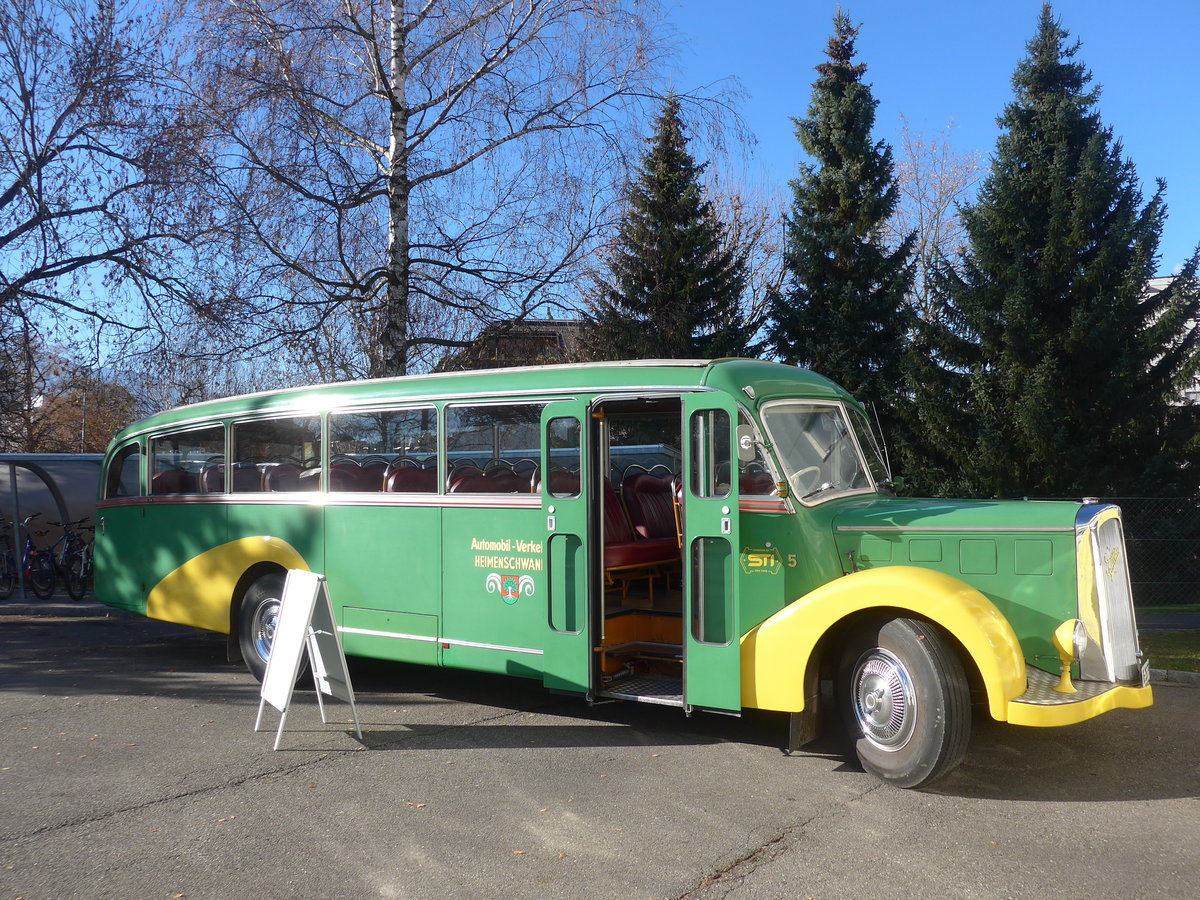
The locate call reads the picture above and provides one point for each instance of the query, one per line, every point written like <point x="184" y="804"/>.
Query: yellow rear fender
<point x="200" y="592"/>
<point x="776" y="653"/>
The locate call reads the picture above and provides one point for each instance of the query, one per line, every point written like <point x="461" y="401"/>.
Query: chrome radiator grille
<point x="1105" y="598"/>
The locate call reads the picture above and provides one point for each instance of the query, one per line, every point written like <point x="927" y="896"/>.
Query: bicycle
<point x="38" y="564"/>
<point x="72" y="557"/>
<point x="8" y="565"/>
<point x="78" y="566"/>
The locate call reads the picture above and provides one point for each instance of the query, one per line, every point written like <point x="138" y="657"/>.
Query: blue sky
<point x="937" y="61"/>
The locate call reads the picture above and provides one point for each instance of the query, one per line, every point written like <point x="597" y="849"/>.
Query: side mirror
<point x="898" y="483"/>
<point x="745" y="443"/>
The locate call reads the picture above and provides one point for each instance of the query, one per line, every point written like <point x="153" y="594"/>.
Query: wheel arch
<point x="780" y="653"/>
<point x="203" y="591"/>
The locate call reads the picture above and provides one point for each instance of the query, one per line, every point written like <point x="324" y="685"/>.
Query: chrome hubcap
<point x="884" y="700"/>
<point x="266" y="617"/>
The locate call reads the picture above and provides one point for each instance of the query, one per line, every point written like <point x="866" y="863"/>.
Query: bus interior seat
<point x="408" y="480"/>
<point x="622" y="549"/>
<point x="651" y="506"/>
<point x="504" y="481"/>
<point x="173" y="481"/>
<point x="246" y="478"/>
<point x="282" y="477"/>
<point x="470" y="483"/>
<point x="212" y="479"/>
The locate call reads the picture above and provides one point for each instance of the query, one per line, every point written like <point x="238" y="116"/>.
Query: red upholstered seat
<point x="246" y="478"/>
<point x="212" y="479"/>
<point x="460" y="472"/>
<point x="283" y="477"/>
<point x="408" y="480"/>
<point x="506" y="481"/>
<point x="760" y="483"/>
<point x="370" y="477"/>
<point x="173" y="481"/>
<point x="621" y="547"/>
<point x="651" y="507"/>
<point x="640" y="553"/>
<point x="472" y="483"/>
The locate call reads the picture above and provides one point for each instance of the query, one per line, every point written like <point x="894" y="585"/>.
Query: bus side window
<point x="177" y="460"/>
<point x="392" y="450"/>
<point x="268" y="454"/>
<point x="497" y="437"/>
<point x="124" y="473"/>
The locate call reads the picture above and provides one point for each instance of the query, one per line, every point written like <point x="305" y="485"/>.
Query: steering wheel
<point x="797" y="483"/>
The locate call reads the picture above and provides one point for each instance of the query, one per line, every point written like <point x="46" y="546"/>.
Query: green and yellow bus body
<point x="715" y="535"/>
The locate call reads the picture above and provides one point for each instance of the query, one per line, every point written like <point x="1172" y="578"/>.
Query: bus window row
<point x="398" y="476"/>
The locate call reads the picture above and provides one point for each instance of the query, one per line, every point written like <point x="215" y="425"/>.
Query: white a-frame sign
<point x="305" y="621"/>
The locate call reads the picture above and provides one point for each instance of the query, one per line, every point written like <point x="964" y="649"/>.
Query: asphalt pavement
<point x="129" y="767"/>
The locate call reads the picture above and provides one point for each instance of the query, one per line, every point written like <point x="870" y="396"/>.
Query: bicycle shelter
<point x="60" y="486"/>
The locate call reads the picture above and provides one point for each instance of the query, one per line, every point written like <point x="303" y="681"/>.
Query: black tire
<point x="257" y="619"/>
<point x="42" y="576"/>
<point x="75" y="575"/>
<point x="905" y="702"/>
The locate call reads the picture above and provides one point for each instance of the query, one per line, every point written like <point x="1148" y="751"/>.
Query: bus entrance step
<point x="660" y="689"/>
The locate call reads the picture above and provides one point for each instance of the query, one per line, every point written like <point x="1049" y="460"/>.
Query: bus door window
<point x="275" y="454"/>
<point x="711" y="468"/>
<point x="394" y="450"/>
<point x="562" y="436"/>
<point x="188" y="462"/>
<point x="710" y="478"/>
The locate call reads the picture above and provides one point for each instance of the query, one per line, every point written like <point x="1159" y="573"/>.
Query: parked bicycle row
<point x="40" y="568"/>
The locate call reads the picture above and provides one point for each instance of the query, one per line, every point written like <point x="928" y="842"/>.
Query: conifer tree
<point x="843" y="311"/>
<point x="1058" y="375"/>
<point x="674" y="281"/>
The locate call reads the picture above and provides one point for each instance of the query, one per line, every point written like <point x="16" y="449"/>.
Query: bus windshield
<point x="817" y="450"/>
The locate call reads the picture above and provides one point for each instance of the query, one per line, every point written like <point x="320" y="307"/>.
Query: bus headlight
<point x="1070" y="640"/>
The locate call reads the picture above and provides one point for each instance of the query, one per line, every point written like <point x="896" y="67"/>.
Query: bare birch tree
<point x="407" y="172"/>
<point x="934" y="179"/>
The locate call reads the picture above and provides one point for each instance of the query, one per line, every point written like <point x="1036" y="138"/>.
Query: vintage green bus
<point x="716" y="535"/>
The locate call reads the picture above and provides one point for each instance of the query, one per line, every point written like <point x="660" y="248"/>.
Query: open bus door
<point x="567" y="648"/>
<point x="712" y="652"/>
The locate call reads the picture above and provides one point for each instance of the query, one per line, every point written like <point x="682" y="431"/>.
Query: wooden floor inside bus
<point x="641" y="653"/>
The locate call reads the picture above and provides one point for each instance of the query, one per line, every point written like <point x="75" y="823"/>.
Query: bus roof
<point x="765" y="380"/>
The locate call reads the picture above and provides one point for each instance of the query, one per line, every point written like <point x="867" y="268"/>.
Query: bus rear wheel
<point x="905" y="702"/>
<point x="257" y="620"/>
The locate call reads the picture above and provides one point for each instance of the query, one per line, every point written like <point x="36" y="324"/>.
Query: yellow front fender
<point x="776" y="653"/>
<point x="200" y="591"/>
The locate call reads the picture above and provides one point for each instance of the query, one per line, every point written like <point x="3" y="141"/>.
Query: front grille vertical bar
<point x="1116" y="599"/>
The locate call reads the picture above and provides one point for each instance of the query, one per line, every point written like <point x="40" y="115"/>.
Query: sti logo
<point x="765" y="561"/>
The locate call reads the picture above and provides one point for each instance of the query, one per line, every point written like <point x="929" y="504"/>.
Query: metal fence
<point x="1163" y="538"/>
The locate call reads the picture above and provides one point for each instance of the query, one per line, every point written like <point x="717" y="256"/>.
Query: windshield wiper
<point x="829" y="485"/>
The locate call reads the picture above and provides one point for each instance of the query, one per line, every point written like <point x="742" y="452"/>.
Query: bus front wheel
<point x="905" y="702"/>
<point x="257" y="620"/>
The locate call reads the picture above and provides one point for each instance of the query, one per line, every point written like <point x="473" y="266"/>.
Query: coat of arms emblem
<point x="510" y="586"/>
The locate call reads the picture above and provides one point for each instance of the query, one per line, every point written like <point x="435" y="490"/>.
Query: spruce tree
<point x="843" y="311"/>
<point x="674" y="281"/>
<point x="1058" y="375"/>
